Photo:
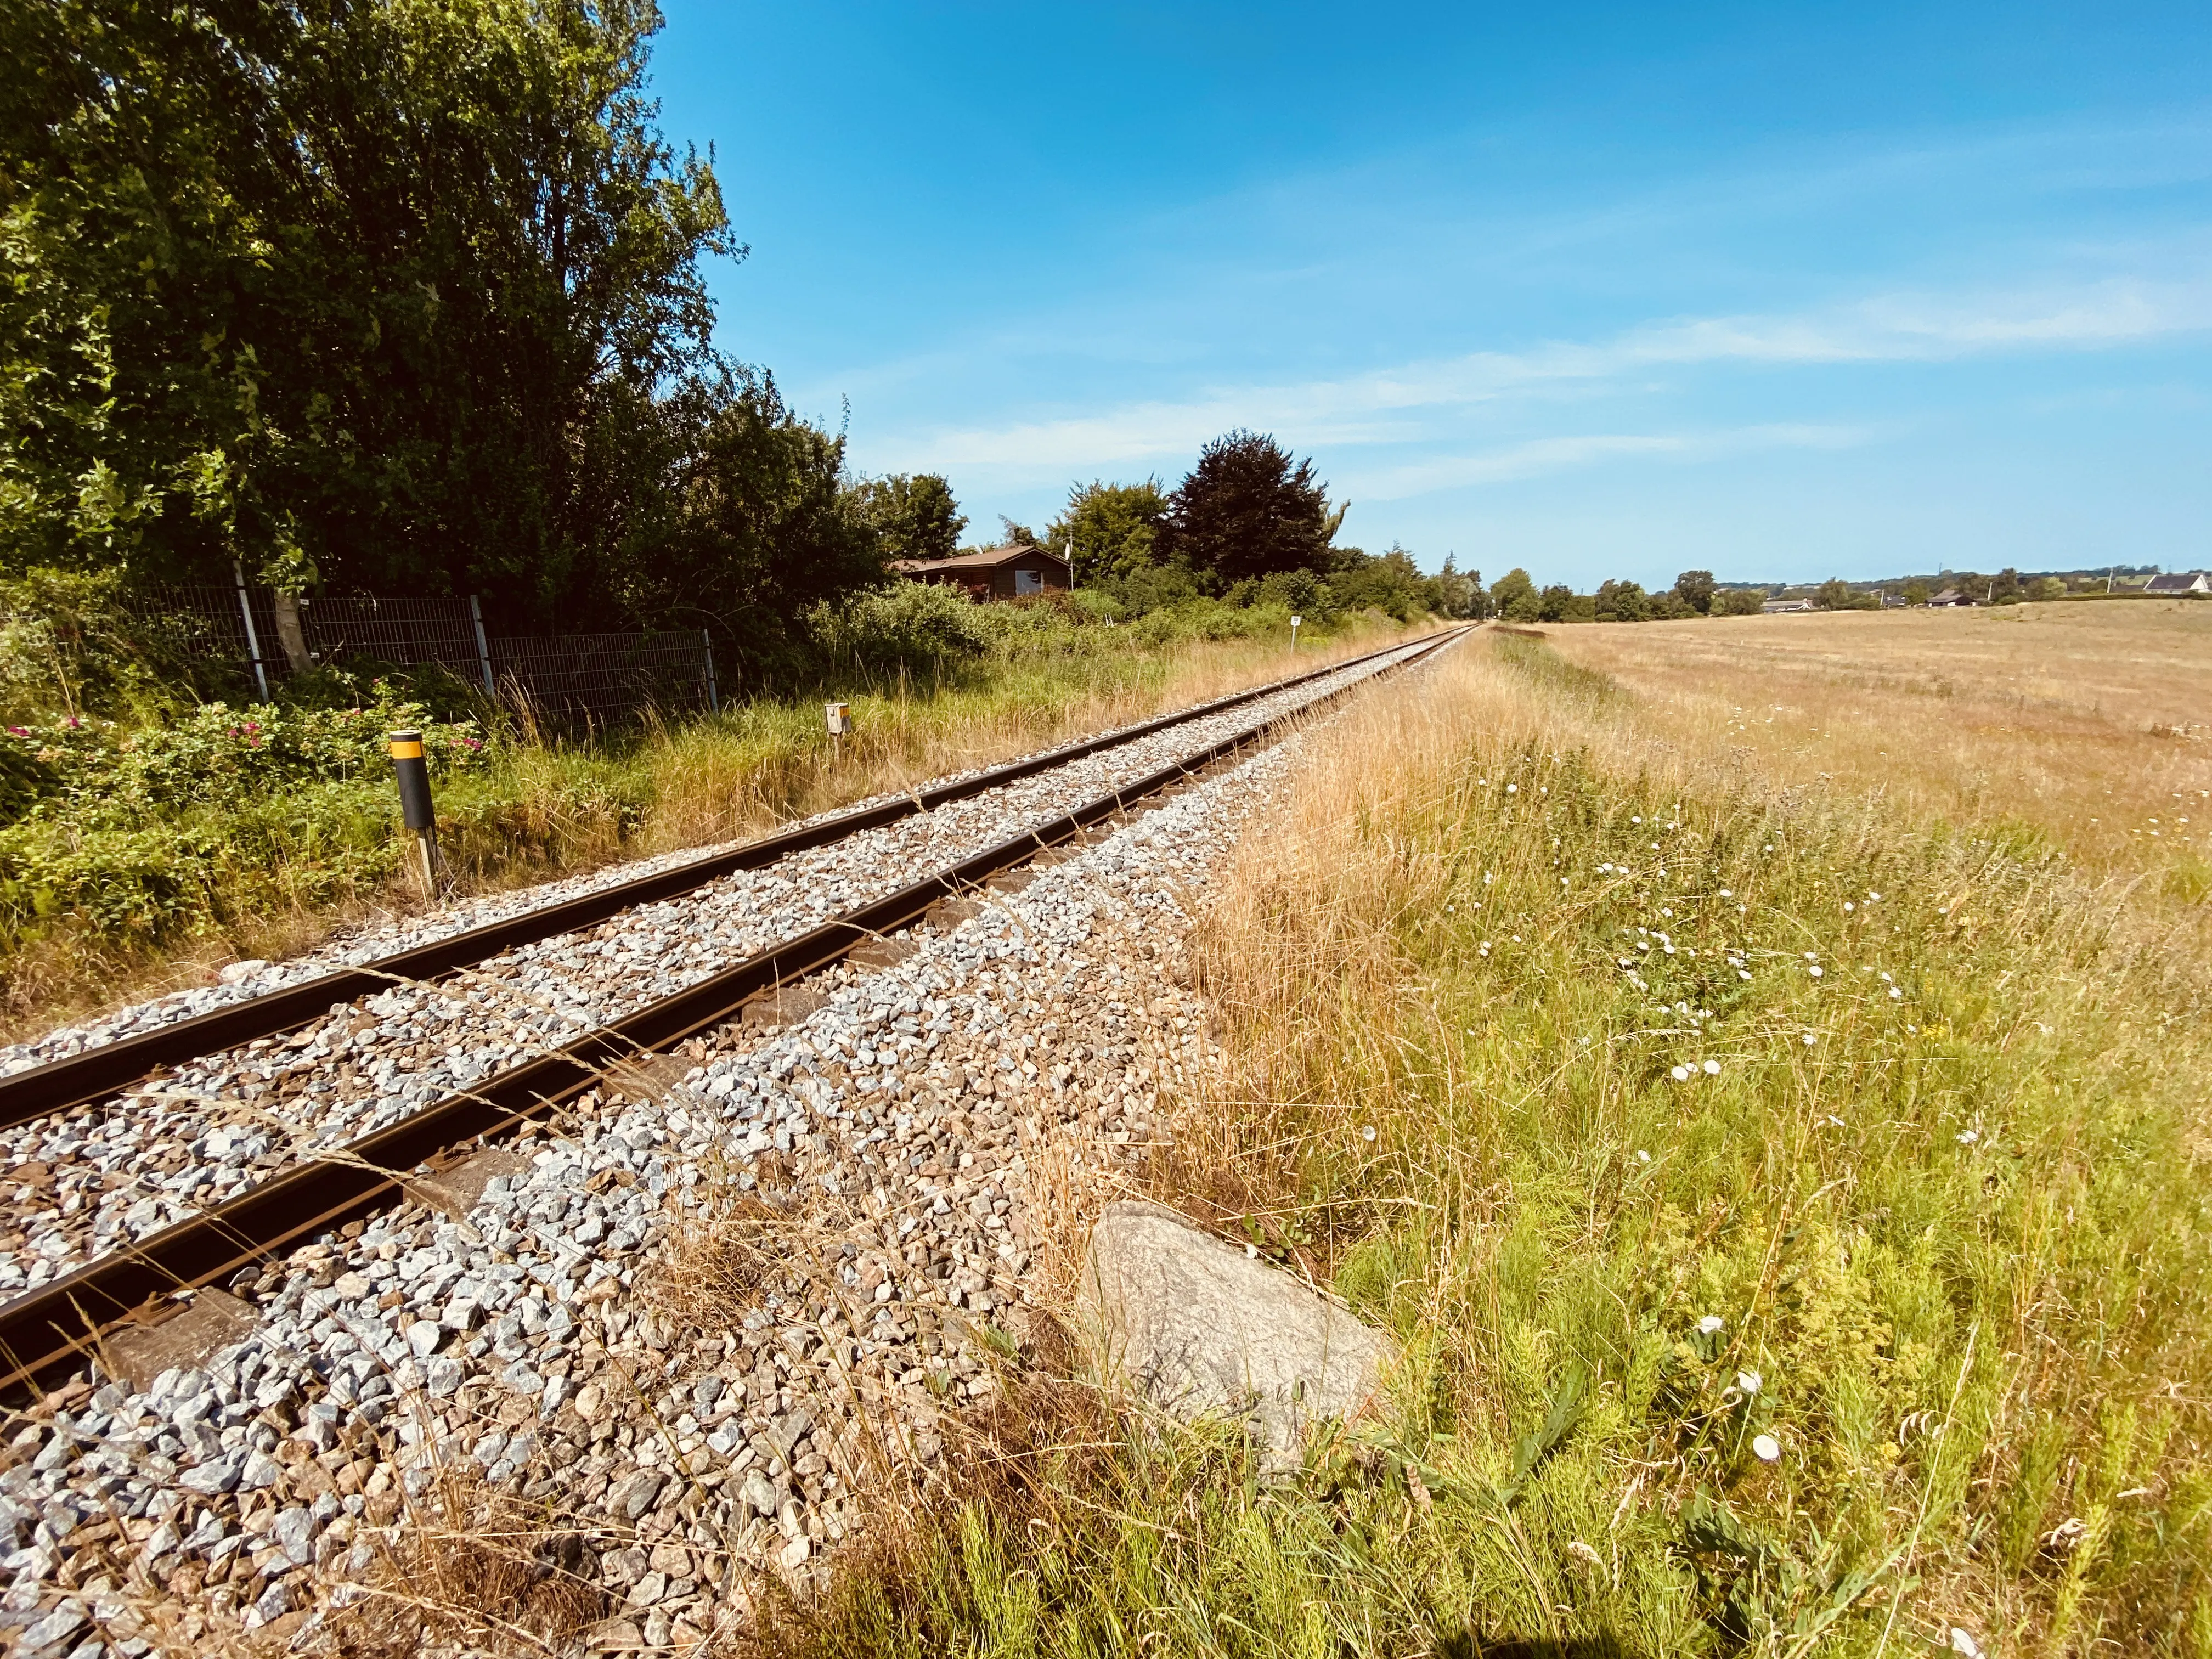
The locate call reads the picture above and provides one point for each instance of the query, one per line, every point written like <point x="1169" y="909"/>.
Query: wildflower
<point x="1711" y="1325"/>
<point x="1810" y="1039"/>
<point x="1768" y="1449"/>
<point x="1516" y="938"/>
<point x="1895" y="994"/>
<point x="1681" y="1074"/>
<point x="1726" y="894"/>
<point x="1814" y="971"/>
<point x="1742" y="973"/>
<point x="1636" y="820"/>
<point x="1251" y="1252"/>
<point x="1665" y="912"/>
<point x="1643" y="1158"/>
<point x="1968" y="1137"/>
<point x="1712" y="1068"/>
<point x="1847" y="907"/>
<point x="1512" y="789"/>
<point x="1367" y="1132"/>
<point x="1749" y="1381"/>
<point x="1873" y="897"/>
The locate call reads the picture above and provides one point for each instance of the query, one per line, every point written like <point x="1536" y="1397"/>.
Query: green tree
<point x="1115" y="530"/>
<point x="1553" y="604"/>
<point x="2006" y="588"/>
<point x="1247" y="509"/>
<point x="732" y="513"/>
<point x="914" y="515"/>
<point x="1622" y="602"/>
<point x="365" y="292"/>
<point x="1916" y="591"/>
<point x="1695" y="588"/>
<point x="1833" y="594"/>
<point x="1738" y="601"/>
<point x="1513" y="597"/>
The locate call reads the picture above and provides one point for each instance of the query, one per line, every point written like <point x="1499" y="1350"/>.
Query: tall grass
<point x="1744" y="1309"/>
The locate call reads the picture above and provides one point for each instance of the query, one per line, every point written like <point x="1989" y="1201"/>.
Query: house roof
<point x="981" y="558"/>
<point x="2176" y="581"/>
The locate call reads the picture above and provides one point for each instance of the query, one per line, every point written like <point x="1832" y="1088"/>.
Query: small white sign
<point x="839" y="717"/>
<point x="1295" y="621"/>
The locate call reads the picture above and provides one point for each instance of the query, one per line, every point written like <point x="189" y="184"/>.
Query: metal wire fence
<point x="564" y="681"/>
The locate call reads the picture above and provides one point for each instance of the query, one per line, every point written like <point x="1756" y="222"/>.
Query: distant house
<point x="1013" y="572"/>
<point x="1951" y="596"/>
<point x="2180" y="581"/>
<point x="1785" y="607"/>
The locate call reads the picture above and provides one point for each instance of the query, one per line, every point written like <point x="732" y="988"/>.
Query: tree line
<point x="399" y="298"/>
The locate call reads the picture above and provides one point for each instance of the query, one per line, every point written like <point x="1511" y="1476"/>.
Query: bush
<point x="921" y="627"/>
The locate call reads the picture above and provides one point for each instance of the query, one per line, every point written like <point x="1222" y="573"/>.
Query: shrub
<point x="920" y="627"/>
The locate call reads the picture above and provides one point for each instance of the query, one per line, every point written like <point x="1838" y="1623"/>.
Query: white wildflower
<point x="1814" y="971"/>
<point x="1810" y="1039"/>
<point x="1512" y="789"/>
<point x="1367" y="1132"/>
<point x="1710" y="1324"/>
<point x="1968" y="1137"/>
<point x="1749" y="1381"/>
<point x="1681" y="1074"/>
<point x="1643" y="1158"/>
<point x="1768" y="1449"/>
<point x="1712" y="1068"/>
<point x="1895" y="994"/>
<point x="1726" y="894"/>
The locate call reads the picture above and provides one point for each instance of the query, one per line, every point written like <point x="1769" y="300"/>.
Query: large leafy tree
<point x="1114" y="530"/>
<point x="1247" y="510"/>
<point x="914" y="516"/>
<point x="726" y="511"/>
<point x="349" y="289"/>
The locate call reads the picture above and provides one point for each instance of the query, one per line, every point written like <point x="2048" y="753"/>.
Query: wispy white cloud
<point x="1511" y="462"/>
<point x="1412" y="403"/>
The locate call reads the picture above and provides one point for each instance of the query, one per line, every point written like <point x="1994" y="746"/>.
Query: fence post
<point x="714" y="699"/>
<point x="252" y="639"/>
<point x="483" y="645"/>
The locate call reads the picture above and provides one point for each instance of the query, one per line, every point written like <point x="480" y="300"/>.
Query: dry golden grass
<point x="2091" y="721"/>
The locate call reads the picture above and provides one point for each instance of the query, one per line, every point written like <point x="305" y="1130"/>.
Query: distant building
<point x="1785" y="607"/>
<point x="2180" y="581"/>
<point x="1951" y="596"/>
<point x="1013" y="572"/>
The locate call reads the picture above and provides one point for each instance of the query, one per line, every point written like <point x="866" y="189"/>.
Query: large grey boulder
<point x="1199" y="1326"/>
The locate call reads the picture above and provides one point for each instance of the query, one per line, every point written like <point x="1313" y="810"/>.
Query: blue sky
<point x="1784" y="292"/>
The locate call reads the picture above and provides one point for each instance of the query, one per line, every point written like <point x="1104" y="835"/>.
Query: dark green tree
<point x="913" y="515"/>
<point x="1513" y="597"/>
<point x="1622" y="602"/>
<point x="1695" y="588"/>
<point x="1834" y="594"/>
<point x="1554" y="602"/>
<point x="730" y="514"/>
<point x="1247" y="509"/>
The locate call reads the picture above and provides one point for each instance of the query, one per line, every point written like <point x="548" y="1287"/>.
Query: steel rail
<point x="106" y="1069"/>
<point x="57" y="1325"/>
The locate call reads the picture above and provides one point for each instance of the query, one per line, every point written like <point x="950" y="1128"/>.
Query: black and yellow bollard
<point x="413" y="772"/>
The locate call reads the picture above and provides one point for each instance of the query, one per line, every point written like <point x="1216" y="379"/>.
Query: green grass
<point x="1958" y="1239"/>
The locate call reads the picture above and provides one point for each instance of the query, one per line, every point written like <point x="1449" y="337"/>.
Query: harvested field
<point x="2089" y="723"/>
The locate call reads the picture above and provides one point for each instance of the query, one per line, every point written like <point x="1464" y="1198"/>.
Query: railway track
<point x="284" y="1196"/>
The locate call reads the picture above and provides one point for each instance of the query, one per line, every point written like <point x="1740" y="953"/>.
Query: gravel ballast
<point x="92" y="1179"/>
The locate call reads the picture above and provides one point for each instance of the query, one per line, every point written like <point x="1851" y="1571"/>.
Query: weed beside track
<point x="1792" y="1215"/>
